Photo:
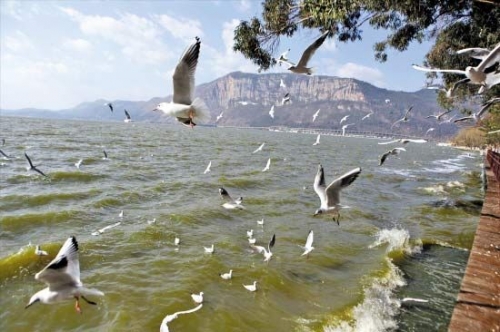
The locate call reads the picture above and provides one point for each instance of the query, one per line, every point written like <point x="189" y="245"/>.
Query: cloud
<point x="18" y="42"/>
<point x="19" y="10"/>
<point x="181" y="28"/>
<point x="244" y="6"/>
<point x="79" y="45"/>
<point x="360" y="72"/>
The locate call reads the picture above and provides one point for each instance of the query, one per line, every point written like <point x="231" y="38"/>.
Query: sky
<point x="56" y="55"/>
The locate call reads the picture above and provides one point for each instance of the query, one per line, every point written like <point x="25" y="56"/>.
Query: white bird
<point x="478" y="115"/>
<point x="344" y="127"/>
<point x="451" y="90"/>
<point x="32" y="167"/>
<point x="474" y="52"/>
<point x="230" y="203"/>
<point x="177" y="241"/>
<point x="209" y="250"/>
<point x="250" y="233"/>
<point x="219" y="116"/>
<point x="251" y="288"/>
<point x="120" y="215"/>
<point x="268" y="164"/>
<point x="40" y="252"/>
<point x="367" y="116"/>
<point x="266" y="252"/>
<point x="260" y="222"/>
<point x="259" y="148"/>
<point x="412" y="299"/>
<point x="183" y="107"/>
<point x="387" y="101"/>
<point x="226" y="276"/>
<point x="127" y="117"/>
<point x="449" y="120"/>
<point x="62" y="276"/>
<point x="301" y="67"/>
<point x="102" y="230"/>
<point x="150" y="222"/>
<point x="344" y="119"/>
<point x="438" y="116"/>
<point x="169" y="318"/>
<point x="429" y="130"/>
<point x="198" y="298"/>
<point x="404" y="141"/>
<point x="392" y="152"/>
<point x="317" y="139"/>
<point x="286" y="99"/>
<point x="271" y="112"/>
<point x="282" y="84"/>
<point x="252" y="240"/>
<point x="283" y="58"/>
<point x="78" y="163"/>
<point x="330" y="196"/>
<point x="405" y="118"/>
<point x="315" y="115"/>
<point x="308" y="246"/>
<point x="208" y="167"/>
<point x="475" y="74"/>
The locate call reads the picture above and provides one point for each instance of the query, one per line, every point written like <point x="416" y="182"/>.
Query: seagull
<point x="127" y="117"/>
<point x="450" y="91"/>
<point x="283" y="58"/>
<point x="271" y="112"/>
<point x="344" y="127"/>
<point x="229" y="203"/>
<point x="177" y="241"/>
<point x="404" y="141"/>
<point x="183" y="107"/>
<point x="448" y="120"/>
<point x="250" y="233"/>
<point x="259" y="148"/>
<point x="282" y="84"/>
<point x="109" y="105"/>
<point x="286" y="99"/>
<point x="78" y="163"/>
<point x="5" y="155"/>
<point x="32" y="167"/>
<point x="62" y="275"/>
<point x="330" y="196"/>
<point x="219" y="117"/>
<point x="209" y="250"/>
<point x="301" y="68"/>
<point x="169" y="318"/>
<point x="40" y="252"/>
<point x="429" y="130"/>
<point x="474" y="52"/>
<point x="120" y="214"/>
<point x="252" y="240"/>
<point x="343" y="119"/>
<point x="392" y="152"/>
<point x="405" y="118"/>
<point x="268" y="164"/>
<point x="198" y="298"/>
<point x="105" y="155"/>
<point x="477" y="116"/>
<point x="226" y="276"/>
<point x="476" y="74"/>
<point x="317" y="139"/>
<point x="387" y="101"/>
<point x="251" y="288"/>
<point x="315" y="115"/>
<point x="266" y="252"/>
<point x="208" y="167"/>
<point x="367" y="116"/>
<point x="438" y="116"/>
<point x="308" y="247"/>
<point x="102" y="230"/>
<point x="260" y="222"/>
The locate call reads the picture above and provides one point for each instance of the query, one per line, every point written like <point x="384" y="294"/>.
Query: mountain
<point x="246" y="100"/>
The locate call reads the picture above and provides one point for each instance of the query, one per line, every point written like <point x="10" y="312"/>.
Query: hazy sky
<point x="56" y="55"/>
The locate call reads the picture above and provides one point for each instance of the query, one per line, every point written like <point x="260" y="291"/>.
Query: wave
<point x="75" y="176"/>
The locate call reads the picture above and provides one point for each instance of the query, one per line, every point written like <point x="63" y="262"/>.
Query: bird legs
<point x="191" y="116"/>
<point x="338" y="218"/>
<point x="77" y="303"/>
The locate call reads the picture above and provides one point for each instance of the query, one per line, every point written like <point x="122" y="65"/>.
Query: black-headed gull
<point x="367" y="116"/>
<point x="301" y="67"/>
<point x="392" y="152"/>
<point x="315" y="115"/>
<point x="271" y="112"/>
<point x="226" y="276"/>
<point x="344" y="119"/>
<point x="286" y="99"/>
<point x="405" y="118"/>
<point x="210" y="250"/>
<point x="344" y="127"/>
<point x="219" y="116"/>
<point x="266" y="252"/>
<point x="268" y="164"/>
<point x="252" y="287"/>
<point x="79" y="163"/>
<point x="229" y="202"/>
<point x="429" y="130"/>
<point x="478" y="115"/>
<point x="183" y="107"/>
<point x="317" y="139"/>
<point x="259" y="148"/>
<point x="282" y="84"/>
<point x="62" y="275"/>
<point x="32" y="167"/>
<point x="330" y="196"/>
<point x="127" y="117"/>
<point x="197" y="298"/>
<point x="309" y="241"/>
<point x="438" y="116"/>
<point x="105" y="155"/>
<point x="283" y="59"/>
<point x="208" y="167"/>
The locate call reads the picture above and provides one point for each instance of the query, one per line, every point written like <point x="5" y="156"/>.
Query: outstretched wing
<point x="225" y="195"/>
<point x="384" y="157"/>
<point x="319" y="184"/>
<point x="309" y="52"/>
<point x="184" y="75"/>
<point x="333" y="190"/>
<point x="436" y="70"/>
<point x="491" y="59"/>
<point x="310" y="239"/>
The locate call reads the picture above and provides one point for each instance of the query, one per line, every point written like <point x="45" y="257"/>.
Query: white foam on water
<point x="436" y="189"/>
<point x="397" y="239"/>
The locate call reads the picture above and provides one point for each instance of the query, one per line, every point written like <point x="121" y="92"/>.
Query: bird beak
<point x="31" y="303"/>
<point x="154" y="110"/>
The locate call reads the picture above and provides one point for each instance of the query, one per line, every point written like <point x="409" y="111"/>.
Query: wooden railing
<point x="494" y="161"/>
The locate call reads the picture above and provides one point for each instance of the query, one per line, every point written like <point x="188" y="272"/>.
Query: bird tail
<point x="91" y="291"/>
<point x="311" y="70"/>
<point x="201" y="111"/>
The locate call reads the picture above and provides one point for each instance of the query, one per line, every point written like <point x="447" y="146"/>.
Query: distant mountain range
<point x="245" y="100"/>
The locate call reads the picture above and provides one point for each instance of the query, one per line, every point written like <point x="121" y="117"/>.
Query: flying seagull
<point x="282" y="84"/>
<point x="344" y="119"/>
<point x="5" y="155"/>
<point x="429" y="130"/>
<point x="109" y="105"/>
<point x="405" y="118"/>
<point x="271" y="112"/>
<point x="208" y="167"/>
<point x="283" y="57"/>
<point x="330" y="196"/>
<point x="169" y="318"/>
<point x="315" y="115"/>
<point x="317" y="139"/>
<point x="183" y="107"/>
<point x="367" y="116"/>
<point x="392" y="152"/>
<point x="438" y="116"/>
<point x="301" y="67"/>
<point x="268" y="164"/>
<point x="344" y="127"/>
<point x="308" y="246"/>
<point x="450" y="91"/>
<point x="476" y="74"/>
<point x="478" y="115"/>
<point x="62" y="276"/>
<point x="404" y="141"/>
<point x="219" y="117"/>
<point x="127" y="117"/>
<point x="266" y="252"/>
<point x="229" y="203"/>
<point x="286" y="99"/>
<point x="259" y="148"/>
<point x="32" y="167"/>
<point x="105" y="155"/>
<point x="79" y="163"/>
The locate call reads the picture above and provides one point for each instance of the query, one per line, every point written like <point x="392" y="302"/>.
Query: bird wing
<point x="333" y="189"/>
<point x="64" y="269"/>
<point x="268" y="163"/>
<point x="436" y="70"/>
<point x="390" y="142"/>
<point x="396" y="122"/>
<point x="309" y="52"/>
<point x="319" y="185"/>
<point x="126" y="114"/>
<point x="492" y="80"/>
<point x="3" y="154"/>
<point x="259" y="249"/>
<point x="397" y="150"/>
<point x="475" y="51"/>
<point x="29" y="160"/>
<point x="259" y="148"/>
<point x="271" y="243"/>
<point x="225" y="195"/>
<point x="420" y="140"/>
<point x="465" y="118"/>
<point x="384" y="157"/>
<point x="408" y="112"/>
<point x="184" y="75"/>
<point x="39" y="171"/>
<point x="105" y="154"/>
<point x="491" y="59"/>
<point x="310" y="239"/>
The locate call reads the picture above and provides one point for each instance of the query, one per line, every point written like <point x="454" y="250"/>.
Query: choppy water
<point x="400" y="238"/>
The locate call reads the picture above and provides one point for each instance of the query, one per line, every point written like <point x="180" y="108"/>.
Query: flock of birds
<point x="62" y="274"/>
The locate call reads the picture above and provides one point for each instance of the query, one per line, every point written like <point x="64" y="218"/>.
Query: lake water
<point x="401" y="236"/>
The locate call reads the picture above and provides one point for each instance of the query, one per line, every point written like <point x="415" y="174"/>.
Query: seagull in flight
<point x="259" y="148"/>
<point x="110" y="106"/>
<point x="283" y="57"/>
<point x="315" y="115"/>
<point x="62" y="276"/>
<point x="40" y="252"/>
<point x="344" y="127"/>
<point x="79" y="163"/>
<point x="32" y="167"/>
<point x="169" y="318"/>
<point x="429" y="130"/>
<point x="5" y="155"/>
<point x="438" y="116"/>
<point x="219" y="117"/>
<point x="404" y="141"/>
<point x="317" y="139"/>
<point x="392" y="152"/>
<point x="308" y="246"/>
<point x="127" y="117"/>
<point x="183" y="107"/>
<point x="266" y="252"/>
<point x="105" y="155"/>
<point x="208" y="167"/>
<point x="330" y="196"/>
<point x="478" y="115"/>
<point x="286" y="99"/>
<point x="229" y="203"/>
<point x="450" y="91"/>
<point x="344" y="119"/>
<point x="301" y="67"/>
<point x="367" y="116"/>
<point x="405" y="118"/>
<point x="282" y="84"/>
<point x="271" y="112"/>
<point x="268" y="164"/>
